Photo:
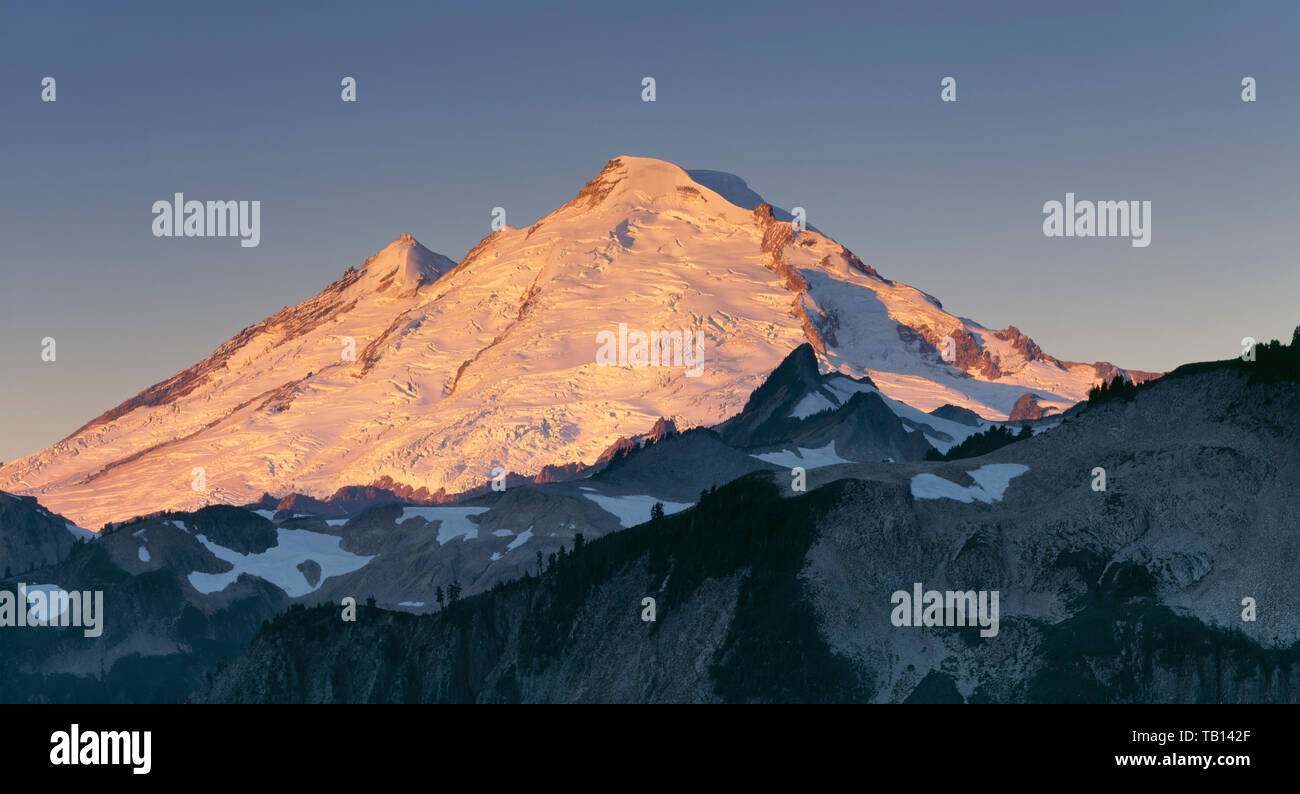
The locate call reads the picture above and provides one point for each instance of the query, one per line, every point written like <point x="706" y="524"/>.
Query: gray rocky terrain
<point x="1134" y="593"/>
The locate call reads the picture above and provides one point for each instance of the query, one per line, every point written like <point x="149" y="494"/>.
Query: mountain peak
<point x="637" y="178"/>
<point x="501" y="362"/>
<point x="640" y="181"/>
<point x="403" y="266"/>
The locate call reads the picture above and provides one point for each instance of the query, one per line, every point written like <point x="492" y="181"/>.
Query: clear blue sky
<point x="463" y="107"/>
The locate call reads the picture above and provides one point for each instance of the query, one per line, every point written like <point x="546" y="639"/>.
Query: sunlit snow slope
<point x="493" y="362"/>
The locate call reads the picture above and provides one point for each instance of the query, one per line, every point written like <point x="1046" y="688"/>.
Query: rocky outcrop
<point x="1027" y="407"/>
<point x="31" y="536"/>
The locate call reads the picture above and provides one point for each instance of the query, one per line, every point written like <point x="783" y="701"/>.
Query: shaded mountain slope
<point x="1129" y="594"/>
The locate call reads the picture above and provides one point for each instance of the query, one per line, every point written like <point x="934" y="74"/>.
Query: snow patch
<point x="633" y="510"/>
<point x="521" y="540"/>
<point x="995" y="478"/>
<point x="79" y="533"/>
<point x="455" y="520"/>
<point x="807" y="458"/>
<point x="279" y="564"/>
<point x="812" y="403"/>
<point x="991" y="483"/>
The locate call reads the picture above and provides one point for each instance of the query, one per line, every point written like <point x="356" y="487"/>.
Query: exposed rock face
<point x="31" y="536"/>
<point x="235" y="528"/>
<point x="768" y="409"/>
<point x="1024" y="345"/>
<point x="862" y="429"/>
<point x="954" y="413"/>
<point x="345" y="501"/>
<point x="1027" y="407"/>
<point x="310" y="571"/>
<point x="968" y="356"/>
<point x="1106" y="372"/>
<point x="662" y="428"/>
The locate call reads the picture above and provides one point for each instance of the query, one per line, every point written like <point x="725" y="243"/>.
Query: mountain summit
<point x="418" y="371"/>
<point x="403" y="267"/>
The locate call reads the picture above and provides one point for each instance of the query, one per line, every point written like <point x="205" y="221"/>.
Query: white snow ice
<point x="633" y="510"/>
<point x="279" y="564"/>
<point x="683" y="258"/>
<point x="455" y="520"/>
<point x="521" y="540"/>
<point x="81" y="534"/>
<point x="991" y="483"/>
<point x="807" y="458"/>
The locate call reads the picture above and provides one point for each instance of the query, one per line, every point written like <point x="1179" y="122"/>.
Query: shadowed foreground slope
<point x="1128" y="594"/>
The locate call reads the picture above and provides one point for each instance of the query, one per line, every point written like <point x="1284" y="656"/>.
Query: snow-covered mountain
<point x="510" y="358"/>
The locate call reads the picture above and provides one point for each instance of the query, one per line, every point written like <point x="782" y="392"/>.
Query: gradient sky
<point x="463" y="107"/>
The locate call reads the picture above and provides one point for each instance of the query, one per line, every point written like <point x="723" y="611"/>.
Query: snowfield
<point x="521" y="540"/>
<point x="806" y="458"/>
<point x="633" y="510"/>
<point x="455" y="521"/>
<point x="279" y="564"/>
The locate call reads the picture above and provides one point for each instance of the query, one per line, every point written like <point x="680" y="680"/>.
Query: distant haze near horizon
<point x="462" y="109"/>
